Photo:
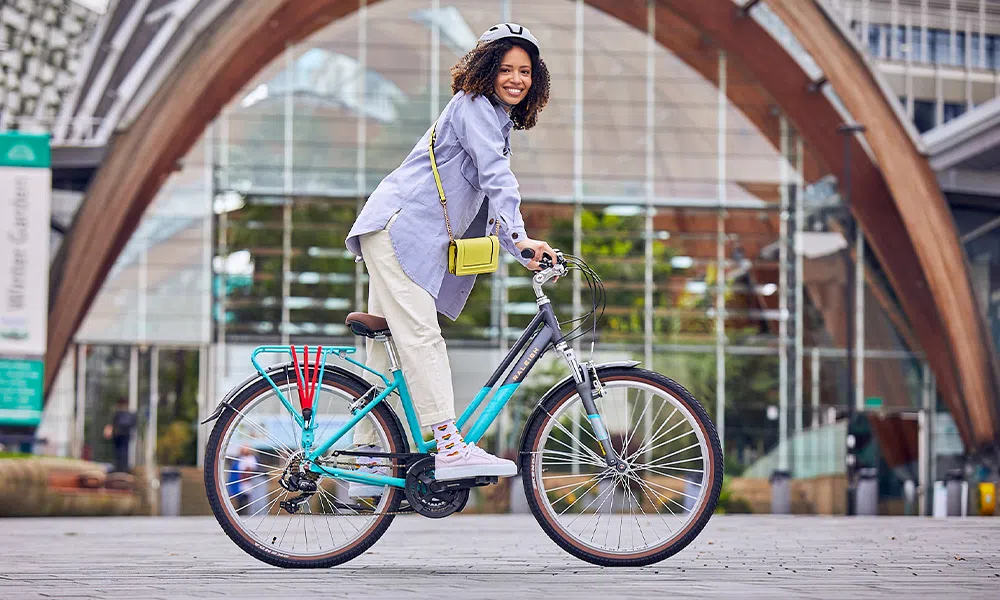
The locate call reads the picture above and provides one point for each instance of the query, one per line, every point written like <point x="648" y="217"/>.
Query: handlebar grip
<point x="528" y="253"/>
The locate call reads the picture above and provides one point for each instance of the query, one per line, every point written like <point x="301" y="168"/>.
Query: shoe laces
<point x="474" y="450"/>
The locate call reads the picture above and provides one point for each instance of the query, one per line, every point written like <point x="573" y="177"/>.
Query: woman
<point x="400" y="233"/>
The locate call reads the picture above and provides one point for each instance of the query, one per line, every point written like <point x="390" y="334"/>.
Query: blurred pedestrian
<point x="119" y="431"/>
<point x="247" y="467"/>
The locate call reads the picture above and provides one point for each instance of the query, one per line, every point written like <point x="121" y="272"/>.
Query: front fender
<point x="627" y="364"/>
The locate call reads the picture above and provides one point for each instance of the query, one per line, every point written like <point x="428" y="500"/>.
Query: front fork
<point x="585" y="383"/>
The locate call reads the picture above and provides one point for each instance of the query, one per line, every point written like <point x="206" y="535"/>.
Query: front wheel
<point x="652" y="510"/>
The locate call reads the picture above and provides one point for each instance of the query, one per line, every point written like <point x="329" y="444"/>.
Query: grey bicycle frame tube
<point x="526" y="336"/>
<point x="528" y="348"/>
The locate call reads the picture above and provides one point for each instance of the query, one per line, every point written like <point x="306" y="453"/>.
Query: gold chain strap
<point x="437" y="180"/>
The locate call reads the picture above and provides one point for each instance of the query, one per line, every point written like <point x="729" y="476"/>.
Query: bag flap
<point x="477" y="251"/>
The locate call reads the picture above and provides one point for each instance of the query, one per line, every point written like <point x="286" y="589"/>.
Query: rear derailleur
<point x="295" y="479"/>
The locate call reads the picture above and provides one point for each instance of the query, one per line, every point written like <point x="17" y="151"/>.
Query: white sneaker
<point x="471" y="461"/>
<point x="369" y="466"/>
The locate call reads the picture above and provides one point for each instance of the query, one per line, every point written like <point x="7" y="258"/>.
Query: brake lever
<point x="546" y="260"/>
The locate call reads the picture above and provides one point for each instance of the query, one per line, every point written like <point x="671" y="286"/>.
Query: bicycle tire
<point x="214" y="488"/>
<point x="565" y="393"/>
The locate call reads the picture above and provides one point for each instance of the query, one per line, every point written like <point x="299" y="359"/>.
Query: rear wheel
<point x="654" y="509"/>
<point x="256" y="442"/>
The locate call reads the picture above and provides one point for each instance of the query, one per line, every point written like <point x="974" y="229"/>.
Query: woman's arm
<point x="477" y="132"/>
<point x="476" y="128"/>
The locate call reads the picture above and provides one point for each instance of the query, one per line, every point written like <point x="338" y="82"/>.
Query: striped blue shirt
<point x="472" y="152"/>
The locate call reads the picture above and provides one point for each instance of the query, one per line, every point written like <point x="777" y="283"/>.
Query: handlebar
<point x="548" y="272"/>
<point x="546" y="260"/>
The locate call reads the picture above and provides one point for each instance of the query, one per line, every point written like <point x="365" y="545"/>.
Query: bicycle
<point x="607" y="434"/>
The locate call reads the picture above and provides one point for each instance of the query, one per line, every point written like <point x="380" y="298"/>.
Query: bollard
<point x="987" y="498"/>
<point x="866" y="497"/>
<point x="940" y="500"/>
<point x="170" y="492"/>
<point x="781" y="493"/>
<point x="518" y="501"/>
<point x="957" y="493"/>
<point x="910" y="497"/>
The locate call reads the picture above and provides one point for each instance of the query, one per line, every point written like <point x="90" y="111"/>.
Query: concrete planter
<point x="43" y="486"/>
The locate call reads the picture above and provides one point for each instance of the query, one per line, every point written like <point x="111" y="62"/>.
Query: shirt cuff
<point x="508" y="245"/>
<point x="517" y="235"/>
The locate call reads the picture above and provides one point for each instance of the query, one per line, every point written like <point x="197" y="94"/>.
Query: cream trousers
<point x="412" y="316"/>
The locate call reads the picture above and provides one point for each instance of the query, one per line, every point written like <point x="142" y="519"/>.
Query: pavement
<point x="508" y="556"/>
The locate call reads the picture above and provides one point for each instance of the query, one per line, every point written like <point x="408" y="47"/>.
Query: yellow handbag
<point x="472" y="256"/>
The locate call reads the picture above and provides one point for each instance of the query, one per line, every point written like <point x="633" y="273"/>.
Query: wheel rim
<point x="251" y="499"/>
<point x="652" y="505"/>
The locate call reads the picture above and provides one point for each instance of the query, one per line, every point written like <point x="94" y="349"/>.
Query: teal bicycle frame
<point x="534" y="341"/>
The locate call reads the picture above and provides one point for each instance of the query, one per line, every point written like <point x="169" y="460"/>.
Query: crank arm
<point x="461" y="484"/>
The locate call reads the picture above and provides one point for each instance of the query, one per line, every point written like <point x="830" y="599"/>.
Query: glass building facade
<point x="669" y="170"/>
<point x="940" y="58"/>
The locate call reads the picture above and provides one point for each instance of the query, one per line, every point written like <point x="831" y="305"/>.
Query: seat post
<point x="390" y="350"/>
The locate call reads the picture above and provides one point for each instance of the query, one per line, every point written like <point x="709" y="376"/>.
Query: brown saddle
<point x="367" y="325"/>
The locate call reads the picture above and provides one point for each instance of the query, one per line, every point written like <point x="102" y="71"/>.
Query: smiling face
<point x="514" y="77"/>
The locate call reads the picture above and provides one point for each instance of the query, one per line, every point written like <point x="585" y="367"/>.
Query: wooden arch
<point x="899" y="206"/>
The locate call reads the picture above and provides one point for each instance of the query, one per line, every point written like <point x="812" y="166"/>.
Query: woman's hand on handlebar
<point x="535" y="250"/>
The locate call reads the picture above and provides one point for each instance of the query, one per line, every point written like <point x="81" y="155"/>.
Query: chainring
<point x="434" y="505"/>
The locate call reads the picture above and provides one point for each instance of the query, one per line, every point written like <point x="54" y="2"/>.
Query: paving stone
<point x="508" y="556"/>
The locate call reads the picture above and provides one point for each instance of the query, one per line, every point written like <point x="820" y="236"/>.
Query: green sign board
<point x="25" y="150"/>
<point x="20" y="392"/>
<point x="873" y="403"/>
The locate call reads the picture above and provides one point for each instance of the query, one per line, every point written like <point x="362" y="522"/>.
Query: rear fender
<point x="253" y="379"/>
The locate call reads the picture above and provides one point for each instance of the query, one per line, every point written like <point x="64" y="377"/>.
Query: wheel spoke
<point x="596" y="480"/>
<point x="584" y="511"/>
<point x="674" y="439"/>
<point x="266" y="509"/>
<point x="652" y="504"/>
<point x="581" y="444"/>
<point x="659" y="497"/>
<point x="254" y="487"/>
<point x="333" y="511"/>
<point x="280" y="445"/>
<point x="582" y="496"/>
<point x="670" y="489"/>
<point x="646" y="447"/>
<point x="565" y="445"/>
<point x="657" y="463"/>
<point x="561" y="454"/>
<point x="638" y="421"/>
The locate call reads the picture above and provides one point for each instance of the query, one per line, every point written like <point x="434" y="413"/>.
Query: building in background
<point x="719" y="229"/>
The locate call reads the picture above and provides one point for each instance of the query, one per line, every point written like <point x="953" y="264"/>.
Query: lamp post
<point x="848" y="131"/>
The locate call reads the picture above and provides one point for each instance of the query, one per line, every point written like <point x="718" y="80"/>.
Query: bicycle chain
<point x="393" y="462"/>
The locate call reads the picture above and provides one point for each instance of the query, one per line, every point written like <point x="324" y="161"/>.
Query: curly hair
<point x="476" y="75"/>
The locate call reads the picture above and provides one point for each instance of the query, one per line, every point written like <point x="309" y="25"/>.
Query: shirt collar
<point x="505" y="122"/>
